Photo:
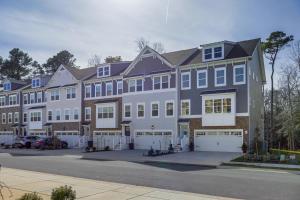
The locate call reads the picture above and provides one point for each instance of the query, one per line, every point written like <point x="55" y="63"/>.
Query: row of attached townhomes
<point x="209" y="97"/>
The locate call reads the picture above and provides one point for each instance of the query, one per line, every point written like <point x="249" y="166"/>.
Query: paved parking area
<point x="193" y="158"/>
<point x="20" y="182"/>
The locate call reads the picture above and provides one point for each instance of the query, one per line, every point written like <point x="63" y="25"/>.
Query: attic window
<point x="213" y="53"/>
<point x="208" y="54"/>
<point x="103" y="71"/>
<point x="6" y="86"/>
<point x="35" y="83"/>
<point x="218" y="52"/>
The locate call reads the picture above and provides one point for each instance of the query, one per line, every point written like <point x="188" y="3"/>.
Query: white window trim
<point x="154" y="102"/>
<point x="85" y="109"/>
<point x="112" y="88"/>
<point x="55" y="95"/>
<point x="98" y="76"/>
<point x="100" y="85"/>
<point x="198" y="72"/>
<point x="183" y="101"/>
<point x="35" y="79"/>
<point x="90" y="89"/>
<point x="213" y="52"/>
<point x="37" y="97"/>
<point x="119" y="81"/>
<point x="3" y="117"/>
<point x="25" y="95"/>
<point x="181" y="82"/>
<point x="220" y="69"/>
<point x="67" y="109"/>
<point x="60" y="118"/>
<point x="16" y="113"/>
<point x="10" y="114"/>
<point x="12" y="96"/>
<point x="78" y="113"/>
<point x="52" y="116"/>
<point x="169" y="101"/>
<point x="137" y="110"/>
<point x="160" y="83"/>
<point x="142" y="85"/>
<point x="26" y="117"/>
<point x="127" y="104"/>
<point x="234" y="79"/>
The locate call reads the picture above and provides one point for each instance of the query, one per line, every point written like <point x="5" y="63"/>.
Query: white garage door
<point x="218" y="140"/>
<point x="73" y="138"/>
<point x="158" y="140"/>
<point x="111" y="139"/>
<point x="7" y="137"/>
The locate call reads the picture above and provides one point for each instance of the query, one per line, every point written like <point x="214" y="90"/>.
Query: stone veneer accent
<point x="241" y="123"/>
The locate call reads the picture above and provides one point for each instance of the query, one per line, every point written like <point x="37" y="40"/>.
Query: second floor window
<point x="50" y="115"/>
<point x="127" y="110"/>
<point x="88" y="91"/>
<point x="39" y="97"/>
<point x="220" y="76"/>
<point x="97" y="90"/>
<point x="2" y="101"/>
<point x="169" y="109"/>
<point x="25" y="116"/>
<point x="32" y="98"/>
<point x="67" y="114"/>
<point x="202" y="79"/>
<point x="35" y="116"/>
<point x="154" y="110"/>
<point x="185" y="107"/>
<point x="218" y="105"/>
<point x="9" y="120"/>
<point x="87" y="113"/>
<point x="54" y="95"/>
<point x="109" y="89"/>
<point x="25" y="98"/>
<point x="239" y="76"/>
<point x="12" y="99"/>
<point x="71" y="93"/>
<point x="76" y="114"/>
<point x="140" y="110"/>
<point x="185" y="80"/>
<point x="120" y="87"/>
<point x="3" y="118"/>
<point x="105" y="112"/>
<point x="57" y="115"/>
<point x="16" y="117"/>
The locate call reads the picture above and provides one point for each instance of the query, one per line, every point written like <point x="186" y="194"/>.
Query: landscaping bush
<point x="63" y="193"/>
<point x="30" y="196"/>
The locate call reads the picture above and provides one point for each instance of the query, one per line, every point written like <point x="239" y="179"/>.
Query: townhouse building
<point x="10" y="107"/>
<point x="34" y="103"/>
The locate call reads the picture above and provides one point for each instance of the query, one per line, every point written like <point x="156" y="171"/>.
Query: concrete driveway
<point x="193" y="158"/>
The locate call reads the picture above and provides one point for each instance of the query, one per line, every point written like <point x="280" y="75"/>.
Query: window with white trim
<point x="39" y="97"/>
<point x="35" y="82"/>
<point x="217" y="52"/>
<point x="105" y="112"/>
<point x="223" y="105"/>
<point x="239" y="76"/>
<point x="32" y="98"/>
<point x="12" y="99"/>
<point x="202" y="78"/>
<point x="127" y="110"/>
<point x="57" y="115"/>
<point x="131" y="85"/>
<point x="169" y="106"/>
<point x="119" y="87"/>
<point x="156" y="83"/>
<point x="161" y="82"/>
<point x="71" y="93"/>
<point x="25" y="117"/>
<point x="211" y="53"/>
<point x="103" y="71"/>
<point x="154" y="109"/>
<point x="75" y="114"/>
<point x="88" y="91"/>
<point x="50" y="115"/>
<point x="35" y="116"/>
<point x="16" y="117"/>
<point x="208" y="53"/>
<point x="140" y="110"/>
<point x="25" y="98"/>
<point x="220" y="76"/>
<point x="2" y="101"/>
<point x="54" y="95"/>
<point x="185" y="80"/>
<point x="7" y="86"/>
<point x="3" y="118"/>
<point x="209" y="106"/>
<point x="217" y="105"/>
<point x="185" y="107"/>
<point x="87" y="113"/>
<point x="67" y="114"/>
<point x="109" y="89"/>
<point x="98" y="90"/>
<point x="164" y="82"/>
<point x="139" y="85"/>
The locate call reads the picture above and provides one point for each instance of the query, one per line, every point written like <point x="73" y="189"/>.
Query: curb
<point x="263" y="165"/>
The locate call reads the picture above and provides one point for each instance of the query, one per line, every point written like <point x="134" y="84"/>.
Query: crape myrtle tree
<point x="271" y="47"/>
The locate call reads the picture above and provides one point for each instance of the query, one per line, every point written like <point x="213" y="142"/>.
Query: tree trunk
<point x="272" y="99"/>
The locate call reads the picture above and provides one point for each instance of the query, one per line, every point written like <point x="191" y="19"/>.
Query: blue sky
<point x="110" y="27"/>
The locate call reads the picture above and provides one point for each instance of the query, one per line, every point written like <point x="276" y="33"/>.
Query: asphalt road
<point x="244" y="183"/>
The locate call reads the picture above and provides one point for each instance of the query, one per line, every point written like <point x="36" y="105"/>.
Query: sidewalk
<point x="21" y="181"/>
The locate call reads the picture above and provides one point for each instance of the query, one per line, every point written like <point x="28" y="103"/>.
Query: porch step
<point x="177" y="148"/>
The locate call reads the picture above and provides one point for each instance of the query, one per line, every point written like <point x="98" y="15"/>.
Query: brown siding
<point x="8" y="127"/>
<point x="241" y="123"/>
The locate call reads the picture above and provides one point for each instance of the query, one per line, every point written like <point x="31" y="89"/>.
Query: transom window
<point x="140" y="110"/>
<point x="218" y="105"/>
<point x="185" y="80"/>
<point x="202" y="78"/>
<point x="154" y="109"/>
<point x="169" y="109"/>
<point x="103" y="71"/>
<point x="220" y="76"/>
<point x="55" y="95"/>
<point x="109" y="89"/>
<point x="98" y="90"/>
<point x="185" y="107"/>
<point x="127" y="110"/>
<point x="239" y="74"/>
<point x="105" y="112"/>
<point x="71" y="93"/>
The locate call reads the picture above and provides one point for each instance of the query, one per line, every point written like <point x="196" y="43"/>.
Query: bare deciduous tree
<point x="94" y="60"/>
<point x="142" y="43"/>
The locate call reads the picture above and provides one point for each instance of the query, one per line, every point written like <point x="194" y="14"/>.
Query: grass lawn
<point x="273" y="161"/>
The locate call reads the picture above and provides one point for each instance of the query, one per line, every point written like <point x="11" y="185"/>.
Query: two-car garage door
<point x="218" y="140"/>
<point x="158" y="140"/>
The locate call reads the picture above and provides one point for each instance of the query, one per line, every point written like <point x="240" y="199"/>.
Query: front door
<point x="127" y="134"/>
<point x="184" y="132"/>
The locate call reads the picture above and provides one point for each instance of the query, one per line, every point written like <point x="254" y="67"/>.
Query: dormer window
<point x="36" y="83"/>
<point x="213" y="53"/>
<point x="103" y="71"/>
<point x="7" y="86"/>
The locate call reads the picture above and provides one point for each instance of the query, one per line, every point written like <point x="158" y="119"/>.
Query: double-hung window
<point x="131" y="85"/>
<point x="9" y="120"/>
<point x="3" y="118"/>
<point x="12" y="99"/>
<point x="50" y="115"/>
<point x="25" y="117"/>
<point x="185" y="80"/>
<point x="217" y="52"/>
<point x="71" y="93"/>
<point x="88" y="91"/>
<point x="25" y="99"/>
<point x="139" y="85"/>
<point x="165" y="82"/>
<point x="161" y="82"/>
<point x="127" y="110"/>
<point x="35" y="83"/>
<point x="185" y="107"/>
<point x="209" y="106"/>
<point x="109" y="89"/>
<point x="98" y="90"/>
<point x="154" y="109"/>
<point x="2" y="101"/>
<point x="32" y="98"/>
<point x="16" y="117"/>
<point x="87" y="113"/>
<point x="35" y="116"/>
<point x="75" y="114"/>
<point x="220" y="76"/>
<point x="120" y="87"/>
<point x="208" y="54"/>
<point x="217" y="105"/>
<point x="156" y="83"/>
<point x="169" y="108"/>
<point x="140" y="110"/>
<point x="202" y="78"/>
<point x="239" y="76"/>
<point x="54" y="95"/>
<point x="57" y="115"/>
<point x="39" y="97"/>
<point x="103" y="71"/>
<point x="67" y="114"/>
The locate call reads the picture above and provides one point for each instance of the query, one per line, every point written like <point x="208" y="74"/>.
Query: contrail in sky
<point x="167" y="11"/>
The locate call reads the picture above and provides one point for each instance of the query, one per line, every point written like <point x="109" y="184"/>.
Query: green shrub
<point x="63" y="193"/>
<point x="30" y="196"/>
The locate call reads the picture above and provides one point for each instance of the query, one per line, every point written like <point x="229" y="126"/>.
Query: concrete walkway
<point x="21" y="182"/>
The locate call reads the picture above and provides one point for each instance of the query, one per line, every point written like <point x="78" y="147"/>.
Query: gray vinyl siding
<point x="194" y="94"/>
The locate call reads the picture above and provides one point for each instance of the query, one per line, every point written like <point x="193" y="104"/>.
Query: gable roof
<point x="81" y="73"/>
<point x="177" y="57"/>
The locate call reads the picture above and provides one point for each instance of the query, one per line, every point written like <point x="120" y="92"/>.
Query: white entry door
<point x="158" y="140"/>
<point x="218" y="140"/>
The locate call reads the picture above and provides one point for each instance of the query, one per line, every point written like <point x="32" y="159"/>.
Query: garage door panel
<point x="220" y="140"/>
<point x="159" y="140"/>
